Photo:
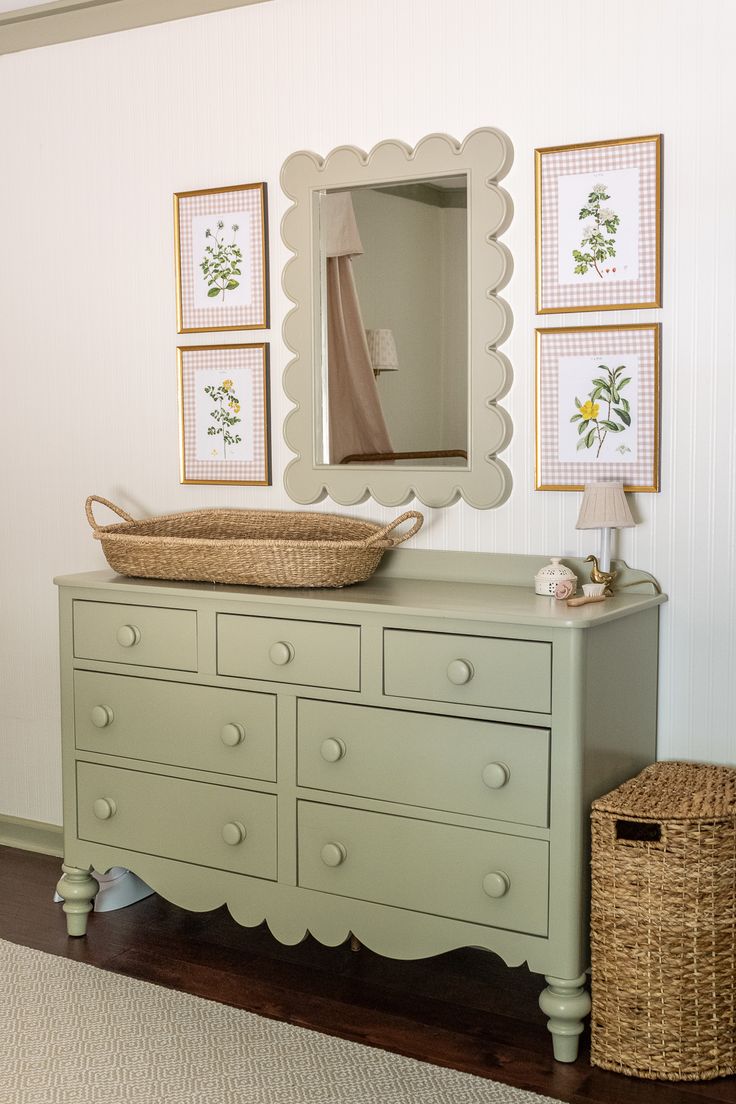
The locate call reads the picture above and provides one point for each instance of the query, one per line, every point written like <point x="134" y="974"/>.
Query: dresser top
<point x="398" y="594"/>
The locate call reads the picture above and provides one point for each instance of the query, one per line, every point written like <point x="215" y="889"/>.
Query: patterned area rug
<point x="75" y="1034"/>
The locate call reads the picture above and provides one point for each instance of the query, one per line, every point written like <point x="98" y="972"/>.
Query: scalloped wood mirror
<point x="396" y="322"/>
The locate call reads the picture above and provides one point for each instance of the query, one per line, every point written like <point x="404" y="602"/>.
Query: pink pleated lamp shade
<point x="604" y="506"/>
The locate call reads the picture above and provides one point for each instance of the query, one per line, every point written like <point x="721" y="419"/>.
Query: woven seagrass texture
<point x="663" y="924"/>
<point x="249" y="547"/>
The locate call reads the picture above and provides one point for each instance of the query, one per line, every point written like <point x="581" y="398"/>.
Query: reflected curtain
<point x="356" y="420"/>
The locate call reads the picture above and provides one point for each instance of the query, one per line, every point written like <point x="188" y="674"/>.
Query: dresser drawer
<point x="145" y="636"/>
<point x="463" y="766"/>
<point x="203" y="727"/>
<point x="426" y="867"/>
<point x="309" y="653"/>
<point x="178" y="819"/>
<point x="473" y="670"/>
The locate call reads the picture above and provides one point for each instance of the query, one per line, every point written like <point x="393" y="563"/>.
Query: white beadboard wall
<point x="96" y="136"/>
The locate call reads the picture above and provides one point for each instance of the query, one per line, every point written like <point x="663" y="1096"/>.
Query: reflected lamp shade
<point x="382" y="350"/>
<point x="604" y="507"/>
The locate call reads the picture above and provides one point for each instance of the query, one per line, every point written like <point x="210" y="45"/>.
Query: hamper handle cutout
<point x="418" y="523"/>
<point x="103" y="502"/>
<point x="638" y="831"/>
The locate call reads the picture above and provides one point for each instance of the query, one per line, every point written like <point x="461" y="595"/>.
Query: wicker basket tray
<point x="252" y="547"/>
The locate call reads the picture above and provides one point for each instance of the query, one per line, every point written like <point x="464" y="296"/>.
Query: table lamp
<point x="604" y="507"/>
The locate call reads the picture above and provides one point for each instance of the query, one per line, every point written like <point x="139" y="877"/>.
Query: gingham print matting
<point x="604" y="342"/>
<point x="251" y="199"/>
<point x="248" y="364"/>
<point x="641" y="154"/>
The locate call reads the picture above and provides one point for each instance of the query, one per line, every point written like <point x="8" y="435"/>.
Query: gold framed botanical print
<point x="224" y="414"/>
<point x="221" y="249"/>
<point x="597" y="407"/>
<point x="599" y="225"/>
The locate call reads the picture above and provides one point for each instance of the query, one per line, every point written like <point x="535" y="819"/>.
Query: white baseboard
<point x="31" y="835"/>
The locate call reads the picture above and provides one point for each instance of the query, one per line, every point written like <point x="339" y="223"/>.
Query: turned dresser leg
<point x="78" y="889"/>
<point x="567" y="1003"/>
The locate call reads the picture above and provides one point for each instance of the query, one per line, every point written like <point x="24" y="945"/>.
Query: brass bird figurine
<point x="598" y="576"/>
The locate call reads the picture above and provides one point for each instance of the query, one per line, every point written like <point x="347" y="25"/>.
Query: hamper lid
<point x="675" y="791"/>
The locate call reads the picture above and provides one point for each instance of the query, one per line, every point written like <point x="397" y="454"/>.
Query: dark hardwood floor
<point x="465" y="1009"/>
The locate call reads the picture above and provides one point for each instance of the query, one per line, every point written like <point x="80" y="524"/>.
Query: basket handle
<point x="103" y="502"/>
<point x="418" y="523"/>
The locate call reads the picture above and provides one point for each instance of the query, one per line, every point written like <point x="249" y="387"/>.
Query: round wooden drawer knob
<point x="104" y="808"/>
<point x="281" y="653"/>
<point x="460" y="671"/>
<point x="496" y="884"/>
<point x="102" y="716"/>
<point x="232" y="734"/>
<point x="233" y="833"/>
<point x="333" y="854"/>
<point x="496" y="775"/>
<point x="128" y="636"/>
<point x="332" y="749"/>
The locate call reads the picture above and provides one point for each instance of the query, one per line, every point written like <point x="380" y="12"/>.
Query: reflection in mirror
<point x="394" y="341"/>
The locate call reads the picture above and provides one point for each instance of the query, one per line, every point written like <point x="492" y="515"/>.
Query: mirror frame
<point x="485" y="156"/>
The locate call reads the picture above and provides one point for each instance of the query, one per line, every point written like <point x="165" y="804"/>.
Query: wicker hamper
<point x="663" y="924"/>
<point x="249" y="547"/>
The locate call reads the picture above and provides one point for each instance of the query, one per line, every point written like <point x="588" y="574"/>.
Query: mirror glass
<point x="392" y="321"/>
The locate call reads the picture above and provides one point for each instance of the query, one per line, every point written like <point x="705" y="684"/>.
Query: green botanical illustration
<point x="593" y="429"/>
<point x="221" y="262"/>
<point x="225" y="414"/>
<point x="595" y="246"/>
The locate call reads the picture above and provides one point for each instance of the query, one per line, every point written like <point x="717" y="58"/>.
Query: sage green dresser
<point x="411" y="759"/>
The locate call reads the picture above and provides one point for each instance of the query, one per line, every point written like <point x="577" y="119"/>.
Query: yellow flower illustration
<point x="589" y="410"/>
<point x="226" y="414"/>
